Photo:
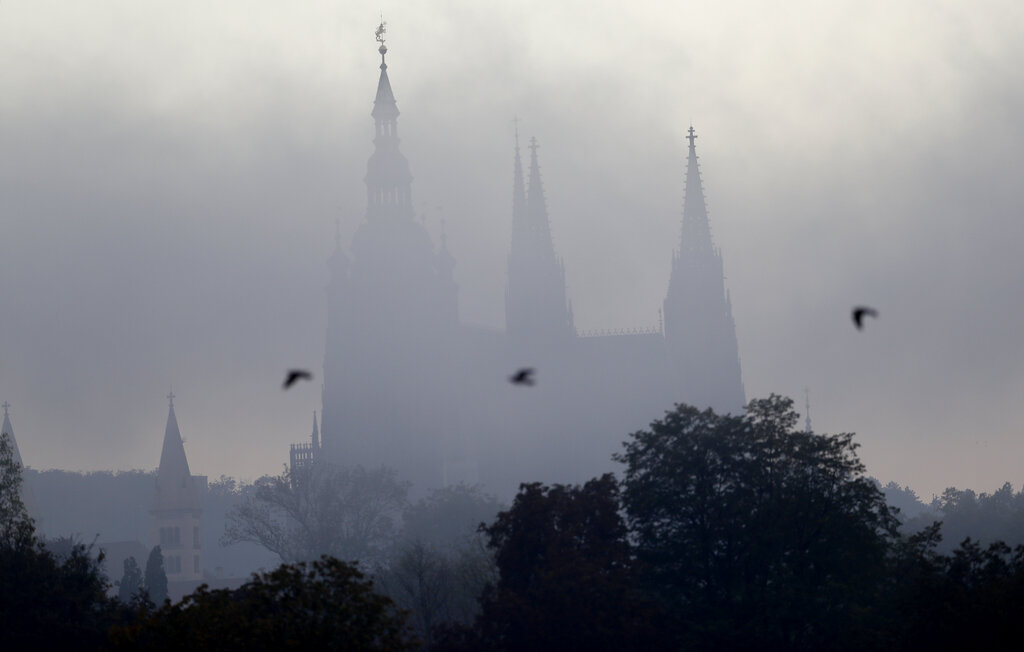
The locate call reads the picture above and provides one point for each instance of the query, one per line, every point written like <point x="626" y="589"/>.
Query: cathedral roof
<point x="175" y="488"/>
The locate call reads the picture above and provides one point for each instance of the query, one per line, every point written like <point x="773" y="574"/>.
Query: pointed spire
<point x="175" y="488"/>
<point x="535" y="202"/>
<point x="384" y="106"/>
<point x="696" y="232"/>
<point x="518" y="186"/>
<point x="316" y="433"/>
<point x="8" y="430"/>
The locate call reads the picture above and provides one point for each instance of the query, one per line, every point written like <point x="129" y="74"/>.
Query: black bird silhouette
<point x="522" y="377"/>
<point x="295" y="375"/>
<point x="860" y="312"/>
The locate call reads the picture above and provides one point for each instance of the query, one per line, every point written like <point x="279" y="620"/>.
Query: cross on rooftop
<point x="5" y="406"/>
<point x="692" y="136"/>
<point x="170" y="397"/>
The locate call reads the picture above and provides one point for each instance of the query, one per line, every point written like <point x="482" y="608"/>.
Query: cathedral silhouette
<point x="406" y="385"/>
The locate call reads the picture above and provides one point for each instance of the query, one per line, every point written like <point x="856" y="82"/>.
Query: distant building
<point x="176" y="525"/>
<point x="408" y="386"/>
<point x="303" y="456"/>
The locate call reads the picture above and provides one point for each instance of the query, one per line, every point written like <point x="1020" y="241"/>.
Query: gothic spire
<point x="536" y="204"/>
<point x="696" y="232"/>
<point x="518" y="187"/>
<point x="174" y="486"/>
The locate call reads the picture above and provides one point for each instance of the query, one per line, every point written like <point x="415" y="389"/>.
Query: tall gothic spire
<point x="699" y="326"/>
<point x="535" y="300"/>
<point x="537" y="206"/>
<point x="696" y="232"/>
<point x="518" y="189"/>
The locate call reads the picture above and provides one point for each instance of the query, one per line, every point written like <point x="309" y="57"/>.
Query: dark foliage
<point x="754" y="534"/>
<point x="156" y="576"/>
<point x="47" y="600"/>
<point x="565" y="575"/>
<point x="326" y="604"/>
<point x="131" y="583"/>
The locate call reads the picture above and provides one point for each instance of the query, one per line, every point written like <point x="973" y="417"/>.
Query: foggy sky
<point x="170" y="177"/>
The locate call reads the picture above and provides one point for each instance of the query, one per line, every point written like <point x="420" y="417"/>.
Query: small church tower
<point x="176" y="511"/>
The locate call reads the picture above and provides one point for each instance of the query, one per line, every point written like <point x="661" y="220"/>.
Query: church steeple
<point x="176" y="525"/>
<point x="174" y="486"/>
<point x="699" y="327"/>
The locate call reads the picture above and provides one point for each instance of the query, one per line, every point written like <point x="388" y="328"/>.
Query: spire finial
<point x="170" y="397"/>
<point x="5" y="406"/>
<point x="533" y="145"/>
<point x="381" y="31"/>
<point x="515" y="121"/>
<point x="691" y="137"/>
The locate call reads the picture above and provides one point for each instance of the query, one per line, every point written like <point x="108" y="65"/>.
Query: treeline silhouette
<point x="723" y="532"/>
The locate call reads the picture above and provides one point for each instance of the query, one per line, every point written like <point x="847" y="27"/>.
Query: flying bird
<point x="860" y="312"/>
<point x="522" y="377"/>
<point x="295" y="375"/>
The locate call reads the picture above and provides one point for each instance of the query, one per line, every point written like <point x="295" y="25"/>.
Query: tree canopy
<point x="348" y="513"/>
<point x="753" y="531"/>
<point x="325" y="604"/>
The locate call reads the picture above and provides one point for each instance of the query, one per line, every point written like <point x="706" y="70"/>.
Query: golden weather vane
<point x="381" y="30"/>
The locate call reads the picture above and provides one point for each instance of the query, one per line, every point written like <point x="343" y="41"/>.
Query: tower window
<point x="195" y="536"/>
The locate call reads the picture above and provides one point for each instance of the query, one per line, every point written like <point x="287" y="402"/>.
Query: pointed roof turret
<point x="696" y="232"/>
<point x="8" y="429"/>
<point x="384" y="105"/>
<point x="175" y="488"/>
<point x="316" y="432"/>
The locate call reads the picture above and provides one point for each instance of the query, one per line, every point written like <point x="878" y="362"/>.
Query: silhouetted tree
<point x="755" y="534"/>
<point x="326" y="604"/>
<point x="450" y="516"/>
<point x="16" y="528"/>
<point x="156" y="577"/>
<point x="131" y="581"/>
<point x="348" y="513"/>
<point x="46" y="601"/>
<point x="565" y="574"/>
